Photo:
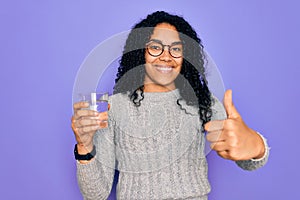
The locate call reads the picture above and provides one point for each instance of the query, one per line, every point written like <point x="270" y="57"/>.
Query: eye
<point x="155" y="47"/>
<point x="176" y="49"/>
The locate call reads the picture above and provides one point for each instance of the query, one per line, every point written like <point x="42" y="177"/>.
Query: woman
<point x="158" y="113"/>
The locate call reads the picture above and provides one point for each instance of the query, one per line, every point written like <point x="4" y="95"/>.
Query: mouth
<point x="164" y="68"/>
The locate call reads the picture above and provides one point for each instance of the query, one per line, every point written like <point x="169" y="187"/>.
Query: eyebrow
<point x="159" y="41"/>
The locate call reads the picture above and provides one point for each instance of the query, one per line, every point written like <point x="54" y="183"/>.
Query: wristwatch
<point x="87" y="156"/>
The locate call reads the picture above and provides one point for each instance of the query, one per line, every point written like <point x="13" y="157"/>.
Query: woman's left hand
<point x="232" y="138"/>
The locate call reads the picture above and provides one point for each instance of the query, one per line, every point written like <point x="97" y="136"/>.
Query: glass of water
<point x="98" y="101"/>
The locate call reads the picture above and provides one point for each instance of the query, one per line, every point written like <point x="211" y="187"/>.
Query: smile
<point x="164" y="69"/>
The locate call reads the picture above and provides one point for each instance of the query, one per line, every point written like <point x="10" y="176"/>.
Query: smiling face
<point x="162" y="70"/>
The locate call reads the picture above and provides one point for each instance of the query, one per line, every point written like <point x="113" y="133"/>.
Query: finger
<point x="85" y="113"/>
<point x="229" y="106"/>
<point x="87" y="122"/>
<point x="215" y="136"/>
<point x="74" y="128"/>
<point x="73" y="120"/>
<point x="80" y="105"/>
<point x="103" y="124"/>
<point x="230" y="125"/>
<point x="215" y="125"/>
<point x="103" y="116"/>
<point x="224" y="154"/>
<point x="87" y="129"/>
<point x="219" y="146"/>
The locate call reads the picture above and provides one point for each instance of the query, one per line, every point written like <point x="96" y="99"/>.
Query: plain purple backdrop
<point x="255" y="45"/>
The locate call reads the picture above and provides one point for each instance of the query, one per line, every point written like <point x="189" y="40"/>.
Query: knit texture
<point x="158" y="148"/>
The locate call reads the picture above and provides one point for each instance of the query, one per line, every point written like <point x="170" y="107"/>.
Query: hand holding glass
<point x="90" y="114"/>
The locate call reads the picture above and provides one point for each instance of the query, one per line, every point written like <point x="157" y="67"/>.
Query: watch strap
<point x="87" y="156"/>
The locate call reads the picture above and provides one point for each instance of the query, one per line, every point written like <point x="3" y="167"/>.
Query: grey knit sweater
<point x="158" y="148"/>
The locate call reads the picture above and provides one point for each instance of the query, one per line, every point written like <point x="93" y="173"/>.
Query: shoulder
<point x="118" y="101"/>
<point x="119" y="97"/>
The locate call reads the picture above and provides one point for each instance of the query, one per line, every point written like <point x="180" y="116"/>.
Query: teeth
<point x="165" y="68"/>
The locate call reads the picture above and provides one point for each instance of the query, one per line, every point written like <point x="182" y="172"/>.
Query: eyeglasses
<point x="156" y="48"/>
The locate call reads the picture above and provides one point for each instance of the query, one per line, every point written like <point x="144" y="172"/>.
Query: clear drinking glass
<point x="98" y="100"/>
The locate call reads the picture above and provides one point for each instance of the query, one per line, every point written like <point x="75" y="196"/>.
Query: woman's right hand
<point x="85" y="124"/>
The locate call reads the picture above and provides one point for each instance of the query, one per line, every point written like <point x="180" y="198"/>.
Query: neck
<point x="152" y="87"/>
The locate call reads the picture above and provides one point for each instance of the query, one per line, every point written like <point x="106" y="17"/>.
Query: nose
<point x="165" y="56"/>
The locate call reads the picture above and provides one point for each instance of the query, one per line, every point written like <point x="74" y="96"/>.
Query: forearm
<point x="94" y="179"/>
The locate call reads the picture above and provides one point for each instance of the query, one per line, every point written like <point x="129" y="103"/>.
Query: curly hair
<point x="192" y="74"/>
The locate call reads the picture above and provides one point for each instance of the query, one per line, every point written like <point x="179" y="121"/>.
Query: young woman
<point x="153" y="133"/>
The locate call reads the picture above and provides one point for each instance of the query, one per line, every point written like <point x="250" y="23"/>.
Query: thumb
<point x="228" y="104"/>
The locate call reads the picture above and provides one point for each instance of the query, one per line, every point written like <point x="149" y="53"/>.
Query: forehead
<point x="166" y="33"/>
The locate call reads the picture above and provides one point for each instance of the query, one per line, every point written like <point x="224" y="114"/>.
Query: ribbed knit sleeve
<point x="95" y="180"/>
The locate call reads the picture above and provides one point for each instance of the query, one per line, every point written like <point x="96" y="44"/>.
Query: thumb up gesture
<point x="232" y="138"/>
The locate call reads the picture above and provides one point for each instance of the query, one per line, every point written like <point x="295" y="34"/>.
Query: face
<point x="162" y="70"/>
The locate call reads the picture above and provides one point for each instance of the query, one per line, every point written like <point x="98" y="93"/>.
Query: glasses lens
<point x="176" y="50"/>
<point x="155" y="49"/>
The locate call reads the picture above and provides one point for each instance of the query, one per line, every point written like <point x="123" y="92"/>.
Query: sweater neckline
<point x="172" y="94"/>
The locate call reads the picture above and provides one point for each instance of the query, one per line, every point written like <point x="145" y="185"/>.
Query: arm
<point x="95" y="177"/>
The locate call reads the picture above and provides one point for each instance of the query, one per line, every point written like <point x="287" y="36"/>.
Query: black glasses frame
<point x="163" y="48"/>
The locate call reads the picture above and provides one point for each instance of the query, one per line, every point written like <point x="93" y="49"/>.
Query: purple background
<point x="254" y="43"/>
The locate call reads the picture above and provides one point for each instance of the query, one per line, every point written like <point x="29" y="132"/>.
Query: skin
<point x="85" y="124"/>
<point x="157" y="80"/>
<point x="231" y="138"/>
